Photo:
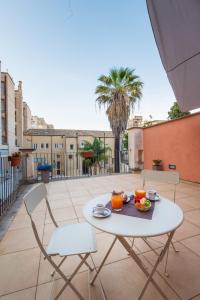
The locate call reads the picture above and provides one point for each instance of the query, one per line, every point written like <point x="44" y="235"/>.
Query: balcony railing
<point x="72" y="164"/>
<point x="10" y="179"/>
<point x="64" y="166"/>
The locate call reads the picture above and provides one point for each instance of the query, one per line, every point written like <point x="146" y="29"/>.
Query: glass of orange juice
<point x="117" y="201"/>
<point x="140" y="194"/>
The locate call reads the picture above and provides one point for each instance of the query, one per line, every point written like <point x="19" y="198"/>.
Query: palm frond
<point x="119" y="91"/>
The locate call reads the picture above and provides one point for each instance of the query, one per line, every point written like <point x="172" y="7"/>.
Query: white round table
<point x="166" y="218"/>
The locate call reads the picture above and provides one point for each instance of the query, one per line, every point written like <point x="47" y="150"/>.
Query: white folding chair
<point x="70" y="239"/>
<point x="169" y="177"/>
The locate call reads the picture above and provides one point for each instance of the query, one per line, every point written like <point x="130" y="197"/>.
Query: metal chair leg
<point x="53" y="272"/>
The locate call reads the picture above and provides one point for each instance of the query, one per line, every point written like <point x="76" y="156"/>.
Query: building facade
<point x="19" y="115"/>
<point x="40" y="123"/>
<point x="8" y="134"/>
<point x="26" y="117"/>
<point x="61" y="148"/>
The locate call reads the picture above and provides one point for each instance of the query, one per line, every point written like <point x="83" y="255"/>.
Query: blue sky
<point x="58" y="48"/>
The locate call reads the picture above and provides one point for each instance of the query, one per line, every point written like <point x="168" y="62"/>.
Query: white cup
<point x="99" y="208"/>
<point x="152" y="194"/>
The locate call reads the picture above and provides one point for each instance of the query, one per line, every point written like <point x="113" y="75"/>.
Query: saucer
<point x="157" y="198"/>
<point x="106" y="213"/>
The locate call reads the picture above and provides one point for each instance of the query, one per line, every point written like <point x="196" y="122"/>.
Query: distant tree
<point x="118" y="92"/>
<point x="99" y="153"/>
<point x="125" y="141"/>
<point x="175" y="112"/>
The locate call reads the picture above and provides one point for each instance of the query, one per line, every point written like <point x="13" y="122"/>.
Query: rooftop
<point x="68" y="132"/>
<point x="26" y="275"/>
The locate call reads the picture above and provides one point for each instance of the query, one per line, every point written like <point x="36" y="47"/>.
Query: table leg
<point x="138" y="261"/>
<point x="103" y="261"/>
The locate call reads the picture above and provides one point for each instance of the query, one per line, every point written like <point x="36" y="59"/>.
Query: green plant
<point x="118" y="92"/>
<point x="16" y="154"/>
<point x="125" y="141"/>
<point x="157" y="162"/>
<point x="176" y="113"/>
<point x="99" y="153"/>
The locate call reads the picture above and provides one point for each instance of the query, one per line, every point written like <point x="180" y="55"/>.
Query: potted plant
<point x="157" y="164"/>
<point x="45" y="169"/>
<point x="15" y="159"/>
<point x="88" y="154"/>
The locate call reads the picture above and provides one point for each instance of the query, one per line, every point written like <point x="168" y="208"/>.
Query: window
<point x="42" y="146"/>
<point x="71" y="147"/>
<point x="140" y="156"/>
<point x="47" y="146"/>
<point x="3" y="106"/>
<point x="58" y="146"/>
<point x="3" y="89"/>
<point x="34" y="146"/>
<point x="82" y="144"/>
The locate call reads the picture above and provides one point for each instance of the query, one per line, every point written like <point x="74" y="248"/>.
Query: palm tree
<point x="98" y="153"/>
<point x="118" y="92"/>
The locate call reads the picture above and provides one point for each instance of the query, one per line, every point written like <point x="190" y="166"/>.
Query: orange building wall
<point x="175" y="142"/>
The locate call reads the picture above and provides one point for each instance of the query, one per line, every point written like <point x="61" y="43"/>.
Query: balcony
<point x="26" y="275"/>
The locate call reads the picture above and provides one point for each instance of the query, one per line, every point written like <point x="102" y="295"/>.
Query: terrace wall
<point x="175" y="142"/>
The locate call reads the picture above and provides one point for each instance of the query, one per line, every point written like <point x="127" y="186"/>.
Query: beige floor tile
<point x="68" y="267"/>
<point x="154" y="242"/>
<point x="57" y="196"/>
<point x="124" y="280"/>
<point x="79" y="210"/>
<point x="79" y="193"/>
<point x="104" y="241"/>
<point x="60" y="203"/>
<point x="20" y="239"/>
<point x="184" y="205"/>
<point x="181" y="195"/>
<point x="80" y="282"/>
<point x="196" y="297"/>
<point x="183" y="269"/>
<point x="194" y="201"/>
<point x="61" y="214"/>
<point x="185" y="231"/>
<point x="193" y="243"/>
<point x="193" y="216"/>
<point x="81" y="200"/>
<point x="28" y="294"/>
<point x="23" y="220"/>
<point x="19" y="270"/>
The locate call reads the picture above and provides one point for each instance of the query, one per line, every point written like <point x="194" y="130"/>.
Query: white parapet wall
<point x="135" y="148"/>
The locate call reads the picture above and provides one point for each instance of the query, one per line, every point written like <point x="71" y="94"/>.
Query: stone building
<point x="26" y="117"/>
<point x="40" y="123"/>
<point x="8" y="136"/>
<point x="19" y="115"/>
<point x="60" y="147"/>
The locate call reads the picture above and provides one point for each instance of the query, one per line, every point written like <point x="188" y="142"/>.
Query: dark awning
<point x="176" y="27"/>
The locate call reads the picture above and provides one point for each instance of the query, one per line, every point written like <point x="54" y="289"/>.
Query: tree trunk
<point x="117" y="150"/>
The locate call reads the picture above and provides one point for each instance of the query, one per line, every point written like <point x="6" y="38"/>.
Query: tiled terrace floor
<point x="24" y="275"/>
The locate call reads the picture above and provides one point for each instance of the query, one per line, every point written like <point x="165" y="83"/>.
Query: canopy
<point x="176" y="27"/>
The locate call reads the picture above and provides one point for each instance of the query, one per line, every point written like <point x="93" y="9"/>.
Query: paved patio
<point x="24" y="275"/>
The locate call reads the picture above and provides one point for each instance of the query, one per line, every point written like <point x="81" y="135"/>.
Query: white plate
<point x="157" y="198"/>
<point x="105" y="214"/>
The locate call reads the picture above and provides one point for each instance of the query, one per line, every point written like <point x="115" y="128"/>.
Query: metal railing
<point x="64" y="166"/>
<point x="72" y="164"/>
<point x="10" y="179"/>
